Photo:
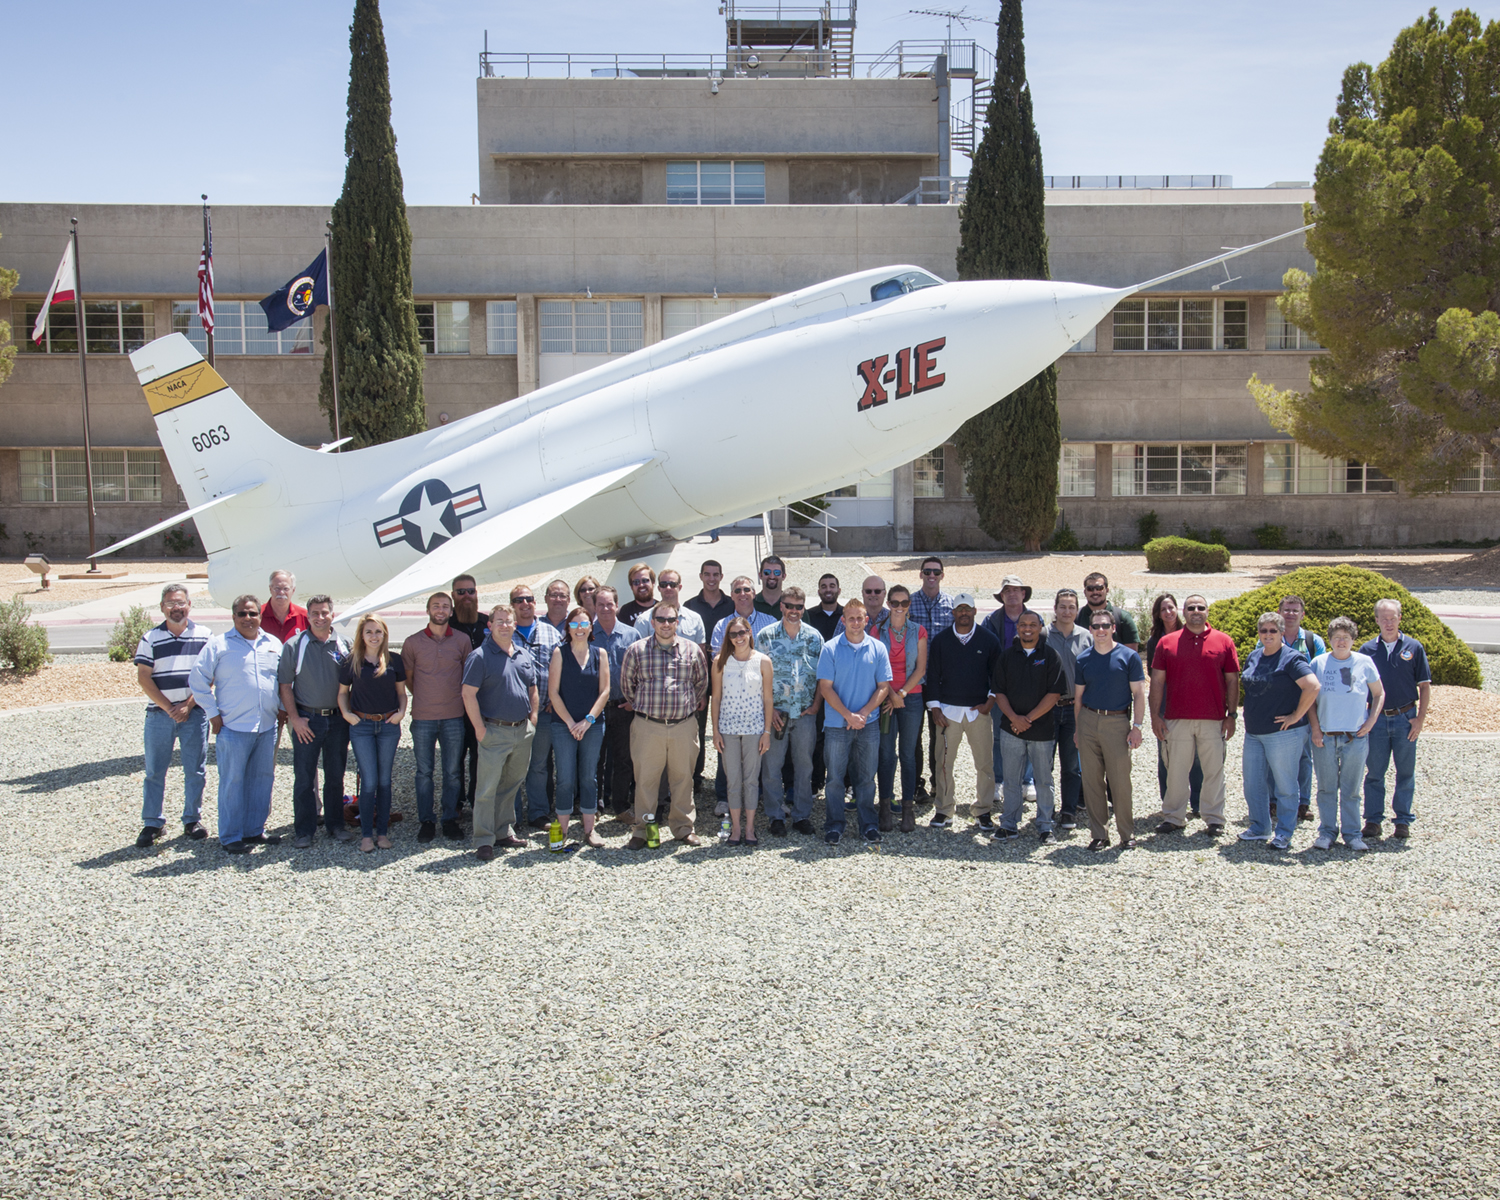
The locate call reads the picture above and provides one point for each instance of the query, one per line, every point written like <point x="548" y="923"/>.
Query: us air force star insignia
<point x="429" y="516"/>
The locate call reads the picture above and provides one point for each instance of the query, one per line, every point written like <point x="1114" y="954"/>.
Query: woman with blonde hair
<point x="578" y="685"/>
<point x="742" y="721"/>
<point x="373" y="702"/>
<point x="584" y="592"/>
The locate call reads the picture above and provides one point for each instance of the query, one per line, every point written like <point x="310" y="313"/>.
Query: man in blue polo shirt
<point x="854" y="675"/>
<point x="1108" y="681"/>
<point x="1402" y="663"/>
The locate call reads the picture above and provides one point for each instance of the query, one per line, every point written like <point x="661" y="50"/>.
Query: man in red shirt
<point x="1195" y="693"/>
<point x="279" y="617"/>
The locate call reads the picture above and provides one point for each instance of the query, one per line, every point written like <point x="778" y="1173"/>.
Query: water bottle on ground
<point x="555" y="836"/>
<point x="653" y="834"/>
<point x="724" y="828"/>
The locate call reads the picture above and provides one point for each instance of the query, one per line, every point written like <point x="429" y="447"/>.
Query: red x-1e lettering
<point x="870" y="371"/>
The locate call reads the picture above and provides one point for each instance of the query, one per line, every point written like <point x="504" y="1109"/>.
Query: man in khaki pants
<point x="664" y="680"/>
<point x="960" y="672"/>
<point x="1108" y="681"/>
<point x="500" y="699"/>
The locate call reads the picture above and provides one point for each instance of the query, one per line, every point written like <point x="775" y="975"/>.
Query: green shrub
<point x="23" y="645"/>
<point x="1271" y="537"/>
<point x="179" y="540"/>
<point x="1064" y="538"/>
<point x="1147" y="526"/>
<point x="127" y="633"/>
<point x="1345" y="591"/>
<point x="1174" y="555"/>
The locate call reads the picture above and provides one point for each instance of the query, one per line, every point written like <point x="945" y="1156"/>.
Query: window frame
<point x="618" y="334"/>
<point x="1301" y="339"/>
<point x="1171" y="314"/>
<point x="501" y="327"/>
<point x="929" y="476"/>
<point x="1221" y="471"/>
<point x="231" y="335"/>
<point x="29" y="309"/>
<point x="734" y="165"/>
<point x="436" y="349"/>
<point x="1295" y="469"/>
<point x="1484" y="471"/>
<point x="1084" y="473"/>
<point x="131" y="462"/>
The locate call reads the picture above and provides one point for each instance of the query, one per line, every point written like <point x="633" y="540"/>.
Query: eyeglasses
<point x="1093" y="587"/>
<point x="466" y="591"/>
<point x="1268" y="629"/>
<point x="578" y="624"/>
<point x="664" y="620"/>
<point x="1102" y="625"/>
<point x="874" y="591"/>
<point x="786" y="608"/>
<point x="254" y="616"/>
<point x="900" y="604"/>
<point x="740" y="633"/>
<point x="664" y="585"/>
<point x="932" y="570"/>
<point x="772" y="573"/>
<point x="1195" y="608"/>
<point x="641" y="580"/>
<point x="744" y="591"/>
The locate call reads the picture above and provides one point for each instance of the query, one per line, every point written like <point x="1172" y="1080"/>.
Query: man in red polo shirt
<point x="1195" y="693"/>
<point x="279" y="617"/>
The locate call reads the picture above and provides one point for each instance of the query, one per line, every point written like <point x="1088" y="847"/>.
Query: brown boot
<point x="908" y="816"/>
<point x="887" y="821"/>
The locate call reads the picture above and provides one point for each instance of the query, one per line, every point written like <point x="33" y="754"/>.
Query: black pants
<point x="621" y="768"/>
<point x="468" y="765"/>
<point x="820" y="770"/>
<point x="933" y="757"/>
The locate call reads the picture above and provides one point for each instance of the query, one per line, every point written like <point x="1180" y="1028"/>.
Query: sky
<point x="158" y="103"/>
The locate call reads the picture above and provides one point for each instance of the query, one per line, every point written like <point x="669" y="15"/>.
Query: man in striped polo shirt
<point x="162" y="661"/>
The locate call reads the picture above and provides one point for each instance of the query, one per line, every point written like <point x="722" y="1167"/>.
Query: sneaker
<point x="451" y="830"/>
<point x="986" y="822"/>
<point x="804" y="827"/>
<point x="427" y="832"/>
<point x="1068" y="821"/>
<point x="1028" y="791"/>
<point x="1247" y="836"/>
<point x="778" y="828"/>
<point x="147" y="837"/>
<point x="235" y="848"/>
<point x="194" y="830"/>
<point x="1047" y="837"/>
<point x="872" y="837"/>
<point x="940" y="822"/>
<point x="1323" y="842"/>
<point x="721" y="808"/>
<point x="1358" y="843"/>
<point x="1280" y="843"/>
<point x="1002" y="834"/>
<point x="342" y="834"/>
<point x="832" y="837"/>
<point x="302" y="841"/>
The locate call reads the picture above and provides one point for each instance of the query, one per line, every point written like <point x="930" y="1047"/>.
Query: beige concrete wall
<point x="576" y="181"/>
<point x="854" y="180"/>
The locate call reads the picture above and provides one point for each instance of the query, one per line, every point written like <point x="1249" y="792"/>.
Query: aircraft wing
<point x="436" y="570"/>
<point x="180" y="517"/>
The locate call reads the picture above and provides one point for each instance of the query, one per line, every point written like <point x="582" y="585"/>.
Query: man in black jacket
<point x="960" y="664"/>
<point x="1028" y="680"/>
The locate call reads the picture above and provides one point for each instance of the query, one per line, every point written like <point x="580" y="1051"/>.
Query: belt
<point x="375" y="716"/>
<point x="315" y="712"/>
<point x="1066" y="702"/>
<point x="1391" y="712"/>
<point x="508" y="724"/>
<point x="1108" y="712"/>
<point x="664" y="721"/>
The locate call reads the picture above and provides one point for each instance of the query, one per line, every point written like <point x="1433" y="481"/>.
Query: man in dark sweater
<point x="960" y="665"/>
<point x="1028" y="681"/>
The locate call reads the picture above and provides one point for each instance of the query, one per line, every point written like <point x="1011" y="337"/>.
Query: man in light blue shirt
<point x="854" y="675"/>
<point x="234" y="683"/>
<point x="795" y="649"/>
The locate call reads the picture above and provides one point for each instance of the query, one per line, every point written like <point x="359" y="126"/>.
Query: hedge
<point x="1173" y="555"/>
<point x="1345" y="591"/>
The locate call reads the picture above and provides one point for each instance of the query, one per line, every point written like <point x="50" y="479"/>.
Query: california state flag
<point x="64" y="290"/>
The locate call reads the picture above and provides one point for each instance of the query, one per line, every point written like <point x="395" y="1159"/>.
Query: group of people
<point x="592" y="704"/>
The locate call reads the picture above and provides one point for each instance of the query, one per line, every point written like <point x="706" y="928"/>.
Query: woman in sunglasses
<point x="584" y="592"/>
<point x="742" y="721"/>
<point x="901" y="713"/>
<point x="373" y="702"/>
<point x="1280" y="687"/>
<point x="578" y="686"/>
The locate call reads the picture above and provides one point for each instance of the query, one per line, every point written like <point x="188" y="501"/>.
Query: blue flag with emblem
<point x="298" y="297"/>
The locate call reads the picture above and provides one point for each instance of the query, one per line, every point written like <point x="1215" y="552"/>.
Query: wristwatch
<point x="589" y="717"/>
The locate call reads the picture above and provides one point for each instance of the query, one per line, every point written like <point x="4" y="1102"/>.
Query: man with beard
<point x="434" y="659"/>
<point x="474" y="625"/>
<point x="642" y="580"/>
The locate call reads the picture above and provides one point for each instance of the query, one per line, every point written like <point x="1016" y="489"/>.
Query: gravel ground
<point x="1489" y="665"/>
<point x="945" y="1018"/>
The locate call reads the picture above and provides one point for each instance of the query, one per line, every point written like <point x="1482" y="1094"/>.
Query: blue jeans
<point x="425" y="735"/>
<point x="330" y="744"/>
<point x="1388" y="740"/>
<point x="535" y="789"/>
<point x="1195" y="776"/>
<point x="904" y="724"/>
<point x="1340" y="763"/>
<point x="247" y="767"/>
<point x="857" y="751"/>
<point x="374" y="744"/>
<point x="1027" y="775"/>
<point x="1068" y="762"/>
<point x="191" y="735"/>
<point x="577" y="768"/>
<point x="1279" y="757"/>
<point x="1033" y="760"/>
<point x="798" y="739"/>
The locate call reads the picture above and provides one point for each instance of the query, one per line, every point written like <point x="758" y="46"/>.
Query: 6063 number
<point x="214" y="437"/>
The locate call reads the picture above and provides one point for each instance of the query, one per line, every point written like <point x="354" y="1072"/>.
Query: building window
<point x="443" y="326"/>
<point x="500" y="327"/>
<point x="702" y="182"/>
<point x="49" y="476"/>
<point x="1281" y="334"/>
<point x="680" y="316"/>
<point x="1210" y="469"/>
<point x="1086" y="344"/>
<point x="927" y="472"/>
<point x="240" y="328"/>
<point x="1183" y="324"/>
<point x="1295" y="469"/>
<point x="591" y="326"/>
<point x="1075" y="472"/>
<point x="114" y="326"/>
<point x="1482" y="475"/>
<point x="866" y="489"/>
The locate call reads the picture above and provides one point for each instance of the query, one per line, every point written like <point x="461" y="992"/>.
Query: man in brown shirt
<point x="434" y="660"/>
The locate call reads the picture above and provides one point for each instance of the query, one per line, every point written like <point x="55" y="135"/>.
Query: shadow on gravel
<point x="60" y="778"/>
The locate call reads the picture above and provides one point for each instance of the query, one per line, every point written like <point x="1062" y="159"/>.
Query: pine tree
<point x="379" y="351"/>
<point x="1010" y="450"/>
<point x="8" y="280"/>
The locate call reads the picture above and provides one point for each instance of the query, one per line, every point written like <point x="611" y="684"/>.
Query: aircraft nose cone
<point x="1080" y="307"/>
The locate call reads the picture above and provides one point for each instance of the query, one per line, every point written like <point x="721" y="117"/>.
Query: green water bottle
<point x="653" y="834"/>
<point x="555" y="837"/>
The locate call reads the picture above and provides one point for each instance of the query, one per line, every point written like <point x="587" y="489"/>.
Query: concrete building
<point x="622" y="201"/>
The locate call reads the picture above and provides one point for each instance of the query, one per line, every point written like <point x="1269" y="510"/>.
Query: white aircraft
<point x="794" y="397"/>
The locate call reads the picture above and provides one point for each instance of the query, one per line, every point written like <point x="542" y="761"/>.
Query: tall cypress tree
<point x="1010" y="450"/>
<point x="379" y="352"/>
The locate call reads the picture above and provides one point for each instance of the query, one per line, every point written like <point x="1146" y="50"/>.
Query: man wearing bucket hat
<point x="1014" y="596"/>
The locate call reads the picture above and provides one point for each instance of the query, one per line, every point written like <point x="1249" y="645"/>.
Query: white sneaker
<point x="1323" y="842"/>
<point x="1247" y="836"/>
<point x="721" y="808"/>
<point x="1358" y="844"/>
<point x="1281" y="843"/>
<point x="1028" y="792"/>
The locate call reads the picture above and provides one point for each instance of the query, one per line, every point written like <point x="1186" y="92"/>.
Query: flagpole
<point x="333" y="341"/>
<point x="207" y="249"/>
<point x="83" y="371"/>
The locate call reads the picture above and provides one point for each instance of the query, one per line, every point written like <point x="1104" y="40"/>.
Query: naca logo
<point x="913" y="371"/>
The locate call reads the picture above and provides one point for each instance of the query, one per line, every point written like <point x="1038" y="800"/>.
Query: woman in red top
<point x="901" y="714"/>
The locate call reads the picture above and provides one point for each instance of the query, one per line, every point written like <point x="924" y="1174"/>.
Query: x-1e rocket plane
<point x="794" y="397"/>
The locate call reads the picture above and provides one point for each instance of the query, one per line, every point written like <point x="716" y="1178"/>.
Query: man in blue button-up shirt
<point x="794" y="648"/>
<point x="1402" y="663"/>
<point x="234" y="683"/>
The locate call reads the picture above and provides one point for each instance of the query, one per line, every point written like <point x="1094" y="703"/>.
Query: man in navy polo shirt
<point x="1402" y="663"/>
<point x="1108" y="681"/>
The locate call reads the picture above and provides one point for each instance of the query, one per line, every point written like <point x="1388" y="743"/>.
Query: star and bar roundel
<point x="429" y="516"/>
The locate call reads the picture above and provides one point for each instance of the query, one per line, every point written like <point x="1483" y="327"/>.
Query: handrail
<point x="803" y="63"/>
<point x="937" y="189"/>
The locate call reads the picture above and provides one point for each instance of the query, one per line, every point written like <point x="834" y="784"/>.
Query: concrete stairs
<point x="791" y="544"/>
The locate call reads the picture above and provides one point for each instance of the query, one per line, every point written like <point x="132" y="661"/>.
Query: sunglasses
<point x="874" y="591"/>
<point x="1093" y="587"/>
<point x="1101" y="626"/>
<point x="524" y="600"/>
<point x="578" y="624"/>
<point x="900" y="603"/>
<point x="664" y="585"/>
<point x="772" y="573"/>
<point x="641" y="581"/>
<point x="932" y="570"/>
<point x="254" y="616"/>
<point x="1268" y="629"/>
<point x="466" y="591"/>
<point x="1195" y="608"/>
<point x="786" y="608"/>
<point x="665" y="620"/>
<point x="740" y="633"/>
<point x="744" y="591"/>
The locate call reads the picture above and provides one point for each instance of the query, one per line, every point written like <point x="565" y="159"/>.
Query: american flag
<point x="206" y="276"/>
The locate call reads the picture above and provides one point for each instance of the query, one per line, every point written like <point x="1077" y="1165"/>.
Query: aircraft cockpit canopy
<point x="907" y="281"/>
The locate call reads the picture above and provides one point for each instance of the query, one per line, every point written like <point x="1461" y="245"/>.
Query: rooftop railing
<point x="903" y="60"/>
<point x="966" y="60"/>
<point x="1065" y="182"/>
